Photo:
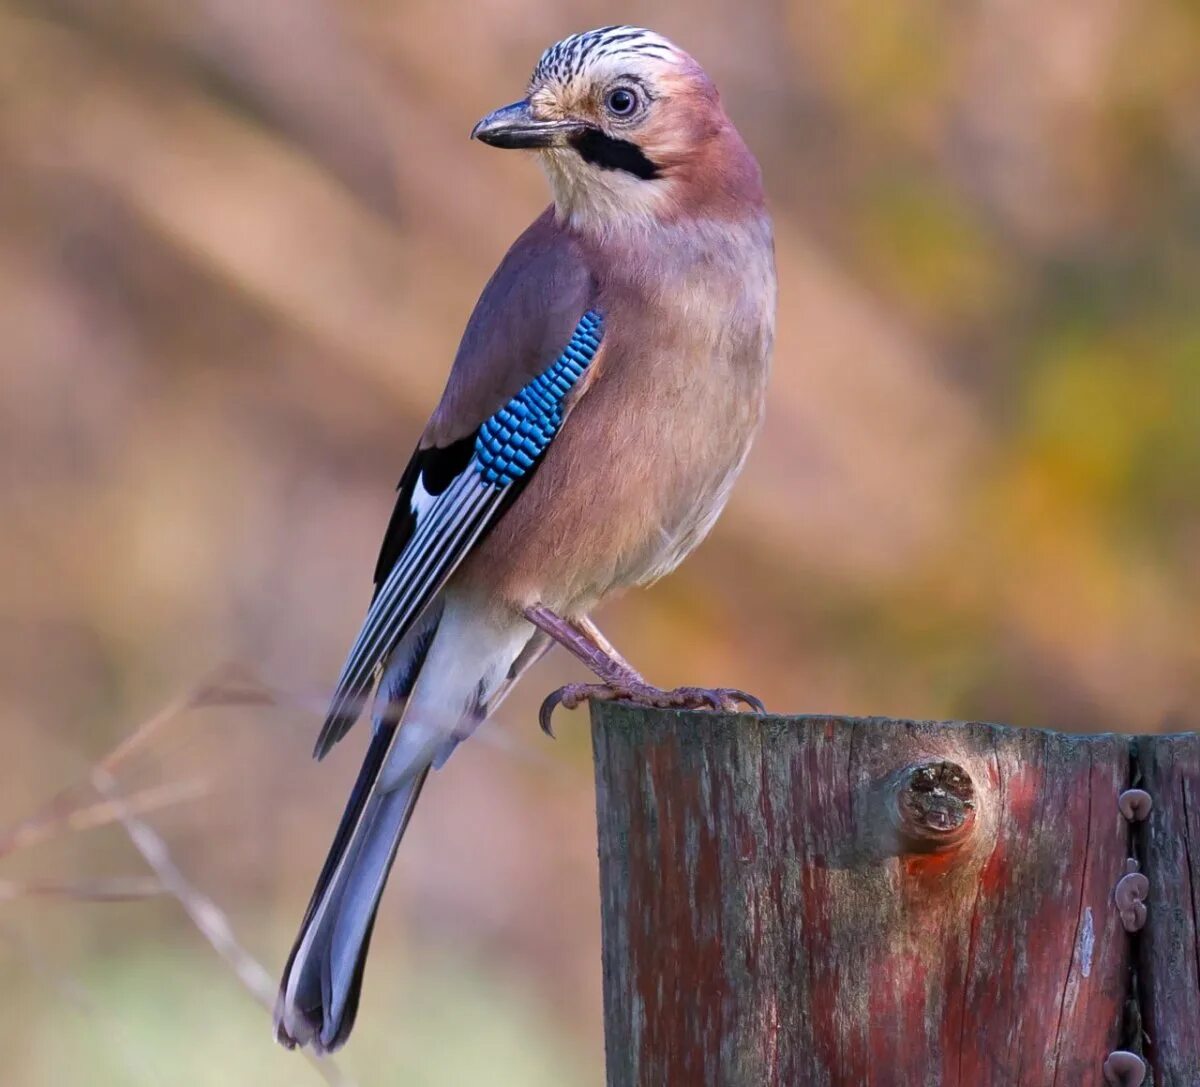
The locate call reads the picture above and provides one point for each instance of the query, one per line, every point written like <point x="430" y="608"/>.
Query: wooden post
<point x="1169" y="951"/>
<point x="829" y="902"/>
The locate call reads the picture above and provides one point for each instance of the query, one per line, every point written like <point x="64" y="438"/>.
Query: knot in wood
<point x="1130" y="897"/>
<point x="1135" y="805"/>
<point x="934" y="806"/>
<point x="1124" y="1069"/>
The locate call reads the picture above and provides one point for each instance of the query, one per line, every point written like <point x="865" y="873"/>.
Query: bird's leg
<point x="584" y="641"/>
<point x="621" y="681"/>
<point x="596" y="637"/>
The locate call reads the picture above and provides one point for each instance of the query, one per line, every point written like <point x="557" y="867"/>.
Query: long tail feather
<point x="318" y="997"/>
<point x="438" y="680"/>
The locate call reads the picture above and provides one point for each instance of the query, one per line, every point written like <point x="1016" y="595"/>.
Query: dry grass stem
<point x="46" y="824"/>
<point x="112" y="889"/>
<point x="76" y="808"/>
<point x="228" y="685"/>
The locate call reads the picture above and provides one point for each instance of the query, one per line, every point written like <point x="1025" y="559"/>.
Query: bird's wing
<point x="530" y="339"/>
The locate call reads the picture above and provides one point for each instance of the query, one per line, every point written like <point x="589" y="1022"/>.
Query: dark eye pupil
<point x="620" y="101"/>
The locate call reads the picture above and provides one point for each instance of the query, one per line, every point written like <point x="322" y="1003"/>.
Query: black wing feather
<point x="436" y="469"/>
<point x="450" y="497"/>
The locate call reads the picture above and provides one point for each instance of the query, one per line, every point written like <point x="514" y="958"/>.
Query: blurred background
<point x="238" y="243"/>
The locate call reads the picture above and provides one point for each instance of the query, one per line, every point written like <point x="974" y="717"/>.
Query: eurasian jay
<point x="601" y="405"/>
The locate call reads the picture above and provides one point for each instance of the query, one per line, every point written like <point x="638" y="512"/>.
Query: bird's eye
<point x="621" y="101"/>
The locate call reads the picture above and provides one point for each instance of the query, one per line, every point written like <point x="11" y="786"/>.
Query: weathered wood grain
<point x="771" y="917"/>
<point x="1169" y="946"/>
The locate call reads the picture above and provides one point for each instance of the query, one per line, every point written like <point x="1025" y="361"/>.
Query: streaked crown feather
<point x="566" y="60"/>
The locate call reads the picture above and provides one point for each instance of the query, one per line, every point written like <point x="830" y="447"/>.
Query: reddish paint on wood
<point x="767" y="921"/>
<point x="1169" y="945"/>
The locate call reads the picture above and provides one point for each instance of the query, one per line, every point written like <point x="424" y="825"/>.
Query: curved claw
<point x="570" y="697"/>
<point x="754" y="703"/>
<point x="546" y="711"/>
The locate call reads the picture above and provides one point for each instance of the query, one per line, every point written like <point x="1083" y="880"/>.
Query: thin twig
<point x="112" y="889"/>
<point x="228" y="685"/>
<point x="46" y="824"/>
<point x="141" y="735"/>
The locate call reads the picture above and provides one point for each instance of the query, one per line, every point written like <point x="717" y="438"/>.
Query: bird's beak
<point x="515" y="126"/>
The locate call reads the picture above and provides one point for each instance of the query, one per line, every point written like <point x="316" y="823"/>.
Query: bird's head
<point x="630" y="129"/>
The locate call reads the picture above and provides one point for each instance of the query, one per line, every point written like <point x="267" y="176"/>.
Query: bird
<point x="601" y="404"/>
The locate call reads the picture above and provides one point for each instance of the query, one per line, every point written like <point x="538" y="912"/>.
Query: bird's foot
<point x="722" y="699"/>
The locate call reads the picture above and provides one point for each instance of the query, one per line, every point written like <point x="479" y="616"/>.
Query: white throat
<point x="597" y="201"/>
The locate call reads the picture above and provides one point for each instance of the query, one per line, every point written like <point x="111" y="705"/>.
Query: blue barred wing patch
<point x="511" y="441"/>
<point x="443" y="520"/>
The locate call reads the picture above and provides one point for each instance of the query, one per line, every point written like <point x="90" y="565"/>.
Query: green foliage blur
<point x="238" y="243"/>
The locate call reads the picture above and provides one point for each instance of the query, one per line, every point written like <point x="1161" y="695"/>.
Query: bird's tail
<point x="318" y="997"/>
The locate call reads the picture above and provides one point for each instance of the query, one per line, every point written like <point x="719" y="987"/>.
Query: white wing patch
<point x="422" y="501"/>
